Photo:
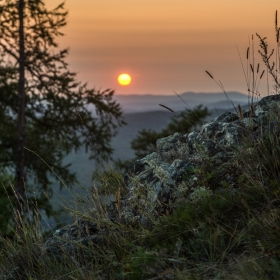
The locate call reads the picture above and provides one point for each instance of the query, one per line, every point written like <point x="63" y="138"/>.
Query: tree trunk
<point x="20" y="182"/>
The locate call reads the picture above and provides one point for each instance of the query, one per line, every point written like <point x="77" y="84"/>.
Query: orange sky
<point x="165" y="45"/>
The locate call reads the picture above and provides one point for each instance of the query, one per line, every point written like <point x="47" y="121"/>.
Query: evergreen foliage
<point x="182" y="122"/>
<point x="58" y="108"/>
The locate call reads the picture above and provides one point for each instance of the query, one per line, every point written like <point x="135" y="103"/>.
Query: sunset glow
<point x="167" y="45"/>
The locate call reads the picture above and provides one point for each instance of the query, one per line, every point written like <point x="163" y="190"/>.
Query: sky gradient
<point x="166" y="45"/>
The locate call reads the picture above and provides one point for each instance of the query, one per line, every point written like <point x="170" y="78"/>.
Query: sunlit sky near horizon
<point x="165" y="45"/>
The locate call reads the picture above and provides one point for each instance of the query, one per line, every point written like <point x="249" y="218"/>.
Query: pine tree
<point x="182" y="122"/>
<point x="44" y="111"/>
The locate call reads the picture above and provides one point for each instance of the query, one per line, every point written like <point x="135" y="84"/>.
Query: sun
<point x="124" y="79"/>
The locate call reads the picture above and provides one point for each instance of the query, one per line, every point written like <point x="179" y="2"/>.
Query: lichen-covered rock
<point x="181" y="161"/>
<point x="180" y="164"/>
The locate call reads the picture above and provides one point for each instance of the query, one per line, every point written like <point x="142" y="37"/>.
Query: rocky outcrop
<point x="178" y="168"/>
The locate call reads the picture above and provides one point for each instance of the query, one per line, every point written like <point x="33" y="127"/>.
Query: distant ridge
<point x="136" y="95"/>
<point x="148" y="102"/>
<point x="215" y="96"/>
